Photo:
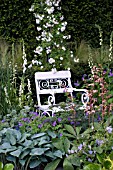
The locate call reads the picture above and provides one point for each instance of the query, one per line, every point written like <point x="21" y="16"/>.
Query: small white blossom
<point x="51" y="61"/>
<point x="63" y="48"/>
<point x="61" y="58"/>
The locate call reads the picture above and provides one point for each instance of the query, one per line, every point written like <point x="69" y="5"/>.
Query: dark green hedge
<point x="83" y="15"/>
<point x="17" y="22"/>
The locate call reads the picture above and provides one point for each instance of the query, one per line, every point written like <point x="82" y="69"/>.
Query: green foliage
<point x="83" y="28"/>
<point x="18" y="22"/>
<point x="7" y="166"/>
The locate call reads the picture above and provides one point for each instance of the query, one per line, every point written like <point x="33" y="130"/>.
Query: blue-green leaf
<point x="34" y="163"/>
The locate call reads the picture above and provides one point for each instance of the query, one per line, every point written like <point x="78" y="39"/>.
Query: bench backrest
<point x="52" y="82"/>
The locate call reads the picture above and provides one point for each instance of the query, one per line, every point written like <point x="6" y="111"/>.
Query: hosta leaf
<point x="70" y="129"/>
<point x="52" y="165"/>
<point x="37" y="151"/>
<point x="37" y="135"/>
<point x="11" y="158"/>
<point x="67" y="165"/>
<point x="16" y="153"/>
<point x="5" y="145"/>
<point x="34" y="163"/>
<point x="12" y="140"/>
<point x="92" y="167"/>
<point x="42" y="142"/>
<point x="24" y="153"/>
<point x="24" y="136"/>
<point x="27" y="143"/>
<point x="18" y="135"/>
<point x="22" y="162"/>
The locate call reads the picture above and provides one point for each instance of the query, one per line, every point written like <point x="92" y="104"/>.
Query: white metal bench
<point x="49" y="83"/>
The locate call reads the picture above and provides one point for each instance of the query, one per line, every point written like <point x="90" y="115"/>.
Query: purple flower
<point x="90" y="152"/>
<point x="20" y="124"/>
<point x="3" y="121"/>
<point x="72" y="123"/>
<point x="34" y="113"/>
<point x="99" y="142"/>
<point x="99" y="118"/>
<point x="89" y="160"/>
<point x="77" y="84"/>
<point x="40" y="126"/>
<point x="60" y="135"/>
<point x="109" y="129"/>
<point x="69" y="118"/>
<point x="26" y="119"/>
<point x="59" y="119"/>
<point x="80" y="147"/>
<point x="54" y="123"/>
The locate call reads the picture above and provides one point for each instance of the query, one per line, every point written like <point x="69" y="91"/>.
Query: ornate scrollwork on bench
<point x="52" y="83"/>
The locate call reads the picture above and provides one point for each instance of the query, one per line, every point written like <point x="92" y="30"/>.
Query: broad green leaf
<point x="70" y="129"/>
<point x="75" y="160"/>
<point x="37" y="151"/>
<point x="16" y="153"/>
<point x="66" y="144"/>
<point x="111" y="155"/>
<point x="34" y="163"/>
<point x="78" y="129"/>
<point x="50" y="154"/>
<point x="52" y="134"/>
<point x="1" y="165"/>
<point x="107" y="164"/>
<point x="52" y="165"/>
<point x="98" y="149"/>
<point x="67" y="165"/>
<point x="37" y="135"/>
<point x="58" y="143"/>
<point x="58" y="154"/>
<point x="100" y="157"/>
<point x="9" y="166"/>
<point x="92" y="167"/>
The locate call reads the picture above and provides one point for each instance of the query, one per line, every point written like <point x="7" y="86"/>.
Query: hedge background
<point x="17" y="22"/>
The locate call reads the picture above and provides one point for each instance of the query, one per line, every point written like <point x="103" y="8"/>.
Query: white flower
<point x="30" y="66"/>
<point x="61" y="18"/>
<point x="42" y="67"/>
<point x="50" y="10"/>
<point x="62" y="28"/>
<point x="76" y="60"/>
<point x="61" y="58"/>
<point x="39" y="28"/>
<point x="39" y="50"/>
<point x="68" y="68"/>
<point x="37" y="21"/>
<point x="51" y="61"/>
<point x="63" y="48"/>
